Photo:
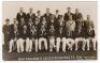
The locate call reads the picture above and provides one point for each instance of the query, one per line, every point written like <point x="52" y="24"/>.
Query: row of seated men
<point x="49" y="30"/>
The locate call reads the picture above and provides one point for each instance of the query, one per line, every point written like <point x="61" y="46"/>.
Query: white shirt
<point x="70" y="25"/>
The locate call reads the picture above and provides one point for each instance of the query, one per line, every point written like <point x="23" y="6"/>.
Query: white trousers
<point x="77" y="40"/>
<point x="67" y="42"/>
<point x="52" y="43"/>
<point x="88" y="40"/>
<point x="44" y="41"/>
<point x="11" y="45"/>
<point x="58" y="42"/>
<point x="20" y="45"/>
<point x="28" y="45"/>
<point x="36" y="44"/>
<point x="94" y="42"/>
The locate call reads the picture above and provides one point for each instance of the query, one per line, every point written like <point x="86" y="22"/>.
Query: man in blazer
<point x="90" y="32"/>
<point x="30" y="15"/>
<point x="22" y="36"/>
<point x="57" y="17"/>
<point x="6" y="31"/>
<point x="43" y="34"/>
<point x="67" y="14"/>
<point x="21" y="14"/>
<point x="60" y="33"/>
<point x="77" y="15"/>
<point x="47" y="15"/>
<point x="13" y="35"/>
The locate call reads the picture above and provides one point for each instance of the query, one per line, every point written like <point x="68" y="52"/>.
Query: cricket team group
<point x="33" y="32"/>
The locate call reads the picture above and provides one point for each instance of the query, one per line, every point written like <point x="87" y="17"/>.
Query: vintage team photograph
<point x="45" y="31"/>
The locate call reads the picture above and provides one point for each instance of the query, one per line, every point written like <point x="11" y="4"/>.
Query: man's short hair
<point x="38" y="11"/>
<point x="7" y="20"/>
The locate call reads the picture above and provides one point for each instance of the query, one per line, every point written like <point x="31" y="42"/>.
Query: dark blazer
<point x="31" y="17"/>
<point x="48" y="17"/>
<point x="19" y="16"/>
<point x="57" y="18"/>
<point x="12" y="33"/>
<point x="56" y="21"/>
<point x="77" y="16"/>
<point x="37" y="33"/>
<point x="40" y="18"/>
<point x="32" y="31"/>
<point x="86" y="26"/>
<point x="66" y="16"/>
<point x="60" y="29"/>
<point x="41" y="32"/>
<point x="6" y="31"/>
<point x="52" y="31"/>
<point x="21" y="33"/>
<point x="60" y="32"/>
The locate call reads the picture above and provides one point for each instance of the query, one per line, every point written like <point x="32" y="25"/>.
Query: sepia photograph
<point x="49" y="30"/>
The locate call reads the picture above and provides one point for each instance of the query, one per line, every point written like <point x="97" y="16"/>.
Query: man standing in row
<point x="30" y="15"/>
<point x="21" y="14"/>
<point x="67" y="14"/>
<point x="6" y="31"/>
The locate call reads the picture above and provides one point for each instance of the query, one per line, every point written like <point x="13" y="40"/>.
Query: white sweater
<point x="70" y="25"/>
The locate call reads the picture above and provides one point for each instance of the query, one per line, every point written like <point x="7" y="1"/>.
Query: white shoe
<point x="70" y="49"/>
<point x="18" y="52"/>
<point x="64" y="51"/>
<point x="88" y="49"/>
<point x="83" y="49"/>
<point x="9" y="51"/>
<point x="51" y="50"/>
<point x="94" y="49"/>
<point x="30" y="50"/>
<point x="76" y="49"/>
<point x="57" y="51"/>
